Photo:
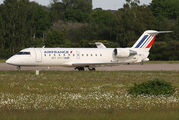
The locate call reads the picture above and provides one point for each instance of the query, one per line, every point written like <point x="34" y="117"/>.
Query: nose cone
<point x="13" y="60"/>
<point x="9" y="61"/>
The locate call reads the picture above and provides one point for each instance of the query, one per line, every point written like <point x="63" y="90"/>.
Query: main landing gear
<point x="82" y="68"/>
<point x="91" y="69"/>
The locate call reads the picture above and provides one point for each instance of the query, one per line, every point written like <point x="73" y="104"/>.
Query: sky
<point x="104" y="4"/>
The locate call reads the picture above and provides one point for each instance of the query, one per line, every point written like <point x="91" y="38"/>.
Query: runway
<point x="131" y="67"/>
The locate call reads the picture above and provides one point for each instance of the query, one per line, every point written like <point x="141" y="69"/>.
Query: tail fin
<point x="147" y="38"/>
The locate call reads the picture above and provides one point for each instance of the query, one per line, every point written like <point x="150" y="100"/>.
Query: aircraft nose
<point x="14" y="60"/>
<point x="8" y="61"/>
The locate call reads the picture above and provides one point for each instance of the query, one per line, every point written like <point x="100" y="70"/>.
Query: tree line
<point x="73" y="23"/>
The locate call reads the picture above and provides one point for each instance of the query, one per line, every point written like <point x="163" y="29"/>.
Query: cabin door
<point x="38" y="55"/>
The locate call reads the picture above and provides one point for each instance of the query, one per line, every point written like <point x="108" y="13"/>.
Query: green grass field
<point x="2" y="60"/>
<point x="84" y="95"/>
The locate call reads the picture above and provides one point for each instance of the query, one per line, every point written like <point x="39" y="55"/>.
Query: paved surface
<point x="131" y="67"/>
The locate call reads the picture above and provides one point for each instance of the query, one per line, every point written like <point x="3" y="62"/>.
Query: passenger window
<point x="73" y="54"/>
<point x="59" y="55"/>
<point x="44" y="54"/>
<point x="100" y="54"/>
<point x="96" y="54"/>
<point x="68" y="54"/>
<point x="49" y="54"/>
<point x="82" y="55"/>
<point x="86" y="54"/>
<point x="54" y="54"/>
<point x="91" y="54"/>
<point x="64" y="55"/>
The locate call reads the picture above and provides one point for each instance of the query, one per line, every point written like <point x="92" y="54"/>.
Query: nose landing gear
<point x="18" y="68"/>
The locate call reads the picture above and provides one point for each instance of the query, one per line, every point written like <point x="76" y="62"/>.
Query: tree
<point x="165" y="9"/>
<point x="128" y="24"/>
<point x="18" y="18"/>
<point x="57" y="11"/>
<point x="42" y="20"/>
<point x="71" y="10"/>
<point x="2" y="29"/>
<point x="102" y="16"/>
<point x="56" y="38"/>
<point x="76" y="16"/>
<point x="83" y="5"/>
<point x="130" y="3"/>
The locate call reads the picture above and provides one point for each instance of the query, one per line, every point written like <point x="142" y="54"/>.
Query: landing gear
<point x="142" y="62"/>
<point x="80" y="68"/>
<point x="91" y="69"/>
<point x="18" y="68"/>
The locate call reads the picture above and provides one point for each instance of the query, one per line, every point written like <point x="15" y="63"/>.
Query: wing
<point x="97" y="64"/>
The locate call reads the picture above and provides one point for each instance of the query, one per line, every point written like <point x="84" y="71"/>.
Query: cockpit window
<point x="23" y="53"/>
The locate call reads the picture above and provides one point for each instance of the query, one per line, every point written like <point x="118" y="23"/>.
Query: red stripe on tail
<point x="150" y="44"/>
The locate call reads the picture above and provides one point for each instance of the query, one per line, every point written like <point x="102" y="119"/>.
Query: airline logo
<point x="64" y="52"/>
<point x="146" y="41"/>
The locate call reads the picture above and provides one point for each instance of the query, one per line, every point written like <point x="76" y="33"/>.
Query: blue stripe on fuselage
<point x="141" y="41"/>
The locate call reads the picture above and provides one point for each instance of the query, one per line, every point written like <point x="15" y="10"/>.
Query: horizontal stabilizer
<point x="157" y="32"/>
<point x="99" y="45"/>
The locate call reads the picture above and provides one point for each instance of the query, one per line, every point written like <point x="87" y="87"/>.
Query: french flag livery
<point x="147" y="38"/>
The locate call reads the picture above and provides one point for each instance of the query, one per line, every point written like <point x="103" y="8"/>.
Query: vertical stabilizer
<point x="147" y="38"/>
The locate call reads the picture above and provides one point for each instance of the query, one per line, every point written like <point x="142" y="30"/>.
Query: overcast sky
<point x="104" y="4"/>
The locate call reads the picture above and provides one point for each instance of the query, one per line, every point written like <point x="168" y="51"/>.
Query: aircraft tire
<point x="93" y="69"/>
<point x="18" y="68"/>
<point x="80" y="68"/>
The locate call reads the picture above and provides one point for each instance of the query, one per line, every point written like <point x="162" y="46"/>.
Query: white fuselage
<point x="71" y="56"/>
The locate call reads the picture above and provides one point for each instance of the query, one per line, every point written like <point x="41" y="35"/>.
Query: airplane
<point x="86" y="57"/>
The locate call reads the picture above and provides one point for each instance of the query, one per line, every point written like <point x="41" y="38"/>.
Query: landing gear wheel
<point x="142" y="62"/>
<point x="18" y="68"/>
<point x="91" y="69"/>
<point x="80" y="68"/>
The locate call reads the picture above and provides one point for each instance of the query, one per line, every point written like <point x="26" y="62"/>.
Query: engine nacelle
<point x="120" y="52"/>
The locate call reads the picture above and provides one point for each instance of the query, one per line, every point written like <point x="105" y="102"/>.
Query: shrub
<point x="152" y="87"/>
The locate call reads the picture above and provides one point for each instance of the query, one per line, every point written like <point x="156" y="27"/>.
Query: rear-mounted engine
<point x="120" y="52"/>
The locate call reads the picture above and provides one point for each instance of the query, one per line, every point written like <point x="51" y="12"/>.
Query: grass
<point x="162" y="62"/>
<point x="2" y="60"/>
<point x="84" y="95"/>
